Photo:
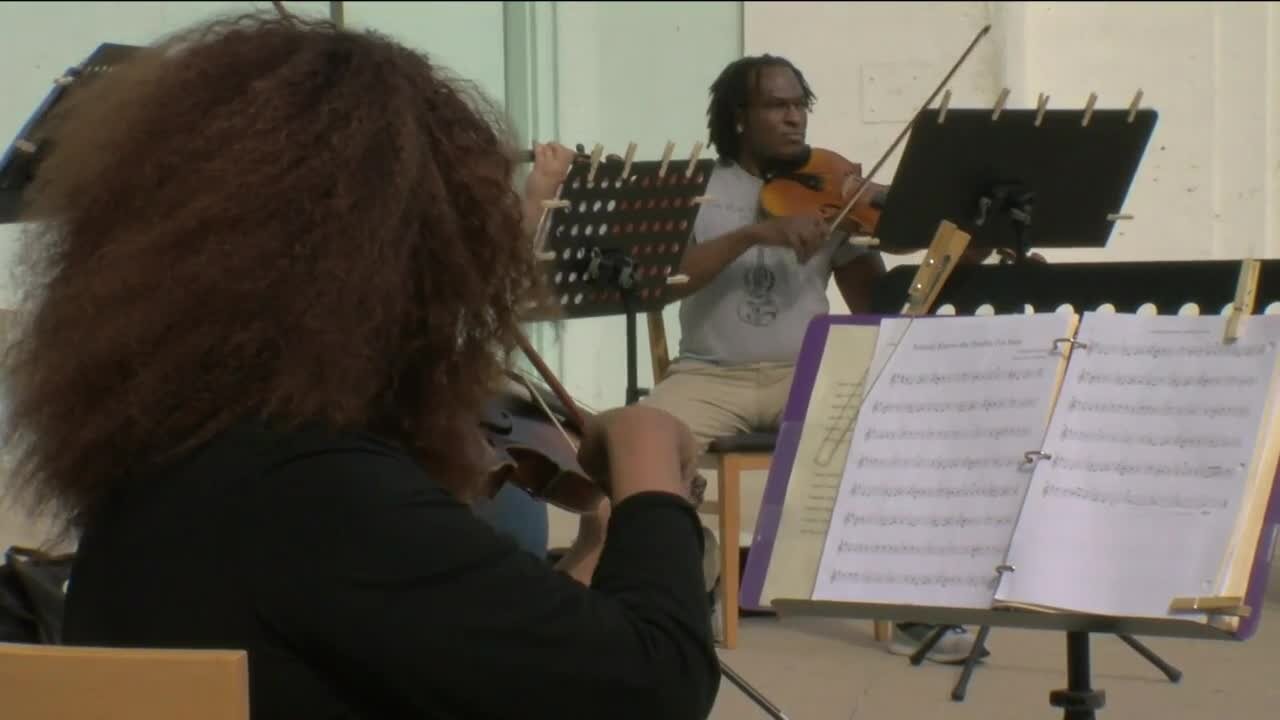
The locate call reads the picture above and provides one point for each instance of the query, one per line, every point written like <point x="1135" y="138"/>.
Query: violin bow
<point x="698" y="484"/>
<point x="866" y="181"/>
<point x="575" y="413"/>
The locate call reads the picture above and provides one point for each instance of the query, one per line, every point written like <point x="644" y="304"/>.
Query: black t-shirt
<point x="361" y="589"/>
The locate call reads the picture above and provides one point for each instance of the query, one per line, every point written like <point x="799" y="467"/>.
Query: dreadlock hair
<point x="732" y="91"/>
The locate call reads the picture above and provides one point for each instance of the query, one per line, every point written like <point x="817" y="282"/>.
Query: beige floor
<point x="815" y="669"/>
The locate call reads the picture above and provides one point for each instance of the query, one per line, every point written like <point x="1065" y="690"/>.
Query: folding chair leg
<point x="729" y="486"/>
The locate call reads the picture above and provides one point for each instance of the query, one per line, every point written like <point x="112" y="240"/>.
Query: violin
<point x="822" y="184"/>
<point x="533" y="436"/>
<point x="827" y="184"/>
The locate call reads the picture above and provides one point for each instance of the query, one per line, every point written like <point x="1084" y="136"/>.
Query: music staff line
<point x="853" y="519"/>
<point x="1150" y="439"/>
<point x="936" y="463"/>
<point x="940" y="492"/>
<point x="1163" y="501"/>
<point x="1161" y="470"/>
<point x="916" y="580"/>
<point x="956" y="406"/>
<point x="1201" y="380"/>
<point x="966" y="377"/>
<point x="855" y="548"/>
<point x="1105" y="407"/>
<point x="975" y="433"/>
<point x="1157" y="352"/>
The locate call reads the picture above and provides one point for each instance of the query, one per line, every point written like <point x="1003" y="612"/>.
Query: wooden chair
<point x="734" y="455"/>
<point x="60" y="682"/>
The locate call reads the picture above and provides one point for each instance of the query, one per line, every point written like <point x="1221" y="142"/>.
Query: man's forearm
<point x="703" y="261"/>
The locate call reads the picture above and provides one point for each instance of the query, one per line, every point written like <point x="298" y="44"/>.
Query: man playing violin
<point x="755" y="283"/>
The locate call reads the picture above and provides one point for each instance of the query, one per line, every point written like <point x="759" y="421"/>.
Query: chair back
<point x="61" y="682"/>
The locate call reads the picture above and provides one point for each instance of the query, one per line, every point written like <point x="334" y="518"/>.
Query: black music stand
<point x="21" y="161"/>
<point x="1015" y="178"/>
<point x="614" y="246"/>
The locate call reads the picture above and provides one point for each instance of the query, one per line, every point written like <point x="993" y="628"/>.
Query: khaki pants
<point x="716" y="401"/>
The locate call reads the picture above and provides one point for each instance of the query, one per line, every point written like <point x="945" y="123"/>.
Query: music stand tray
<point x="1043" y="178"/>
<point x="21" y="160"/>
<point x="614" y="241"/>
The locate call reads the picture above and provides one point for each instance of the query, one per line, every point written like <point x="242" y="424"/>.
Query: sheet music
<point x="1151" y="447"/>
<point x="824" y="441"/>
<point x="932" y="487"/>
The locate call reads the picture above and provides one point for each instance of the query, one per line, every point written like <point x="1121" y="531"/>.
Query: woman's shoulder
<point x="268" y="453"/>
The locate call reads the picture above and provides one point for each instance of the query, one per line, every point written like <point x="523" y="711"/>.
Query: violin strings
<point x="537" y="396"/>
<point x="524" y="376"/>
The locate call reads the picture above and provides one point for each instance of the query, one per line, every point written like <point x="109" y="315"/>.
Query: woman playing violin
<point x="280" y="276"/>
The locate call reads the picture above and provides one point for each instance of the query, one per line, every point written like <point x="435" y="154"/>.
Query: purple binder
<point x="784" y="456"/>
<point x="784" y="453"/>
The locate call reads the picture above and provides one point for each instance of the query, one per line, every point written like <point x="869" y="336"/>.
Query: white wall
<point x="1209" y="185"/>
<point x="466" y="37"/>
<point x="40" y="40"/>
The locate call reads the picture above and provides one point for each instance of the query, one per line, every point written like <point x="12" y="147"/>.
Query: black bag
<point x="32" y="595"/>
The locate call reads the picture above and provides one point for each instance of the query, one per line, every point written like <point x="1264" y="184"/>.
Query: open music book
<point x="1110" y="464"/>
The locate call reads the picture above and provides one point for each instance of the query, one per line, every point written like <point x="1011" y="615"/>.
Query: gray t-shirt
<point x="757" y="309"/>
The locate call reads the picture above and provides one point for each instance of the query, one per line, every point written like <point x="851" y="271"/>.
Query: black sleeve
<point x="399" y="592"/>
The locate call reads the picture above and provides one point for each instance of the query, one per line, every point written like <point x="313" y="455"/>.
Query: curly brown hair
<point x="263" y="218"/>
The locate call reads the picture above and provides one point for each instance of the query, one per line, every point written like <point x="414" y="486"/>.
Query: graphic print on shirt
<point x="758" y="307"/>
